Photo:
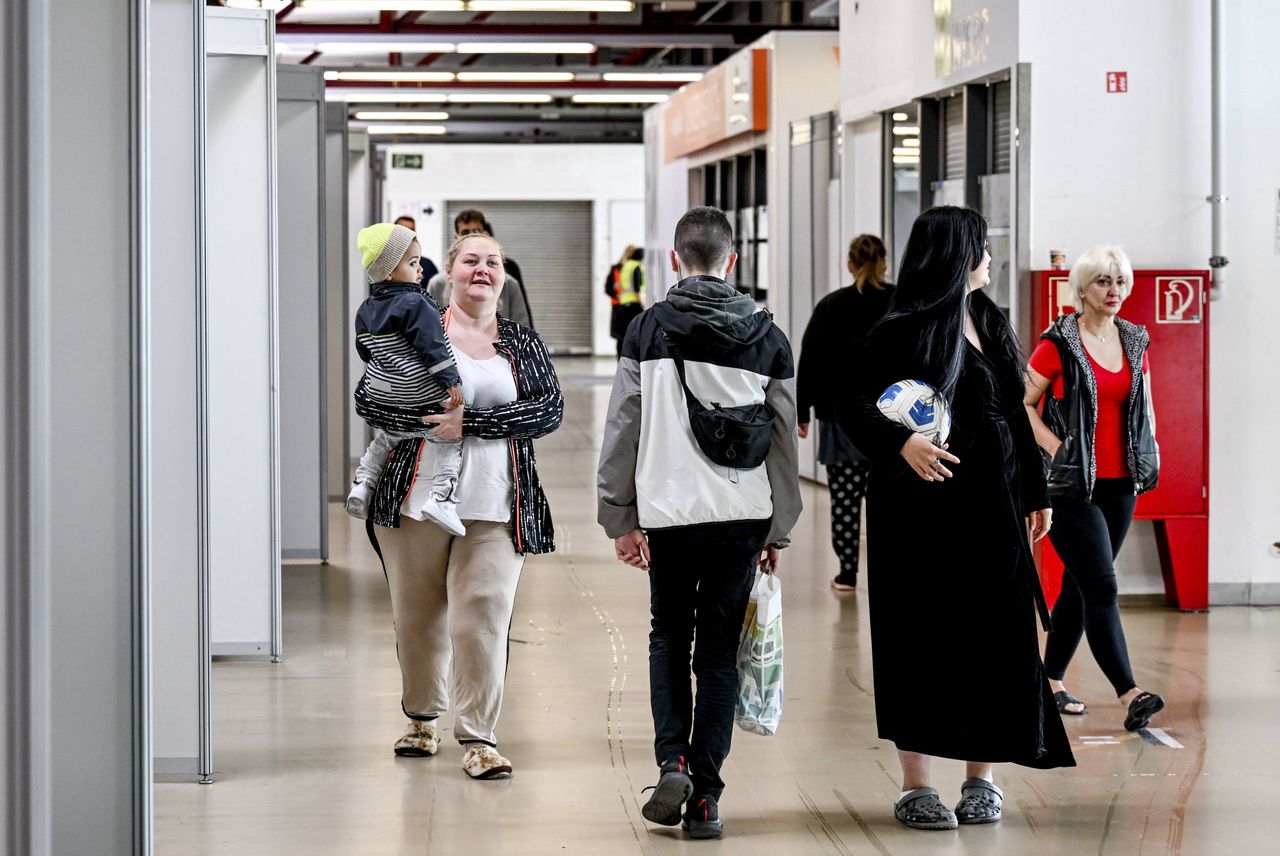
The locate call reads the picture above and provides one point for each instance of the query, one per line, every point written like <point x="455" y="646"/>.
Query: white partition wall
<point x="74" y="329"/>
<point x="243" y="419"/>
<point x="337" y="340"/>
<point x="178" y="526"/>
<point x="300" y="124"/>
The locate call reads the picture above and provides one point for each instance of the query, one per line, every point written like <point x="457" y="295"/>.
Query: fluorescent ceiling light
<point x="516" y="76"/>
<point x="499" y="98"/>
<point x="526" y="47"/>
<point x="906" y="130"/>
<point x="407" y="76"/>
<point x="377" y="96"/>
<point x="654" y="77"/>
<point x="906" y="152"/>
<point x="621" y="98"/>
<point x="383" y="47"/>
<point x="900" y="117"/>
<point x="905" y="159"/>
<point x="400" y="116"/>
<point x="383" y="5"/>
<point x="272" y="5"/>
<point x="430" y="130"/>
<point x="551" y="6"/>
<point x="913" y="142"/>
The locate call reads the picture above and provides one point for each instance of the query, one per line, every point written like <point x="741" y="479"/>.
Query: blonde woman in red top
<point x="1098" y="429"/>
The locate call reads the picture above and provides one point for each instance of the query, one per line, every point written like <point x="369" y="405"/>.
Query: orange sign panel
<point x="729" y="100"/>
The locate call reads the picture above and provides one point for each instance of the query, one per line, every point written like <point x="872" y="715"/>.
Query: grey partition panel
<point x="241" y="331"/>
<point x="802" y="262"/>
<point x="337" y="338"/>
<point x="177" y="524"/>
<point x="300" y="126"/>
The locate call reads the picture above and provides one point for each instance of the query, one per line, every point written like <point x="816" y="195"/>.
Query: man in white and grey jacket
<point x="698" y="528"/>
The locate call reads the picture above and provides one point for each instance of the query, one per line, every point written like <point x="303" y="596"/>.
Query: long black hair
<point x="932" y="297"/>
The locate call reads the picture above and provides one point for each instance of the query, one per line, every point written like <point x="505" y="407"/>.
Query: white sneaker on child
<point x="360" y="497"/>
<point x="444" y="513"/>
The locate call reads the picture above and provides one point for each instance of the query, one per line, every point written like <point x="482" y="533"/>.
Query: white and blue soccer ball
<point x="918" y="406"/>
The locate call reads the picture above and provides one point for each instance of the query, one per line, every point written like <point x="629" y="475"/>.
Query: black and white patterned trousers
<point x="848" y="485"/>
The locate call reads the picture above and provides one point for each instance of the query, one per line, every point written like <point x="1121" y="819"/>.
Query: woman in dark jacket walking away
<point x="836" y="330"/>
<point x="1100" y="436"/>
<point x="953" y="590"/>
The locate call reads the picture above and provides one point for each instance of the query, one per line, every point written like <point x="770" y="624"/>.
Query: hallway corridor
<point x="303" y="748"/>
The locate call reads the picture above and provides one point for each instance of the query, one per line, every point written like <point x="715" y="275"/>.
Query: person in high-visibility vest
<point x="625" y="287"/>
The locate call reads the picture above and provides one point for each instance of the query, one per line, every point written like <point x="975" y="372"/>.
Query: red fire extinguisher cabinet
<point x="1173" y="305"/>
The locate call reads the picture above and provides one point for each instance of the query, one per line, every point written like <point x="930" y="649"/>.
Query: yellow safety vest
<point x="624" y="293"/>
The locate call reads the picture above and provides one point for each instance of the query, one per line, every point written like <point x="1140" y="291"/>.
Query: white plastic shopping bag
<point x="759" y="707"/>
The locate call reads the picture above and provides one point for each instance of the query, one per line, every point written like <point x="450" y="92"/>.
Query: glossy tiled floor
<point x="303" y="748"/>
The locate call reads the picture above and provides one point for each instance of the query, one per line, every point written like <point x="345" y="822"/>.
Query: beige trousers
<point x="452" y="600"/>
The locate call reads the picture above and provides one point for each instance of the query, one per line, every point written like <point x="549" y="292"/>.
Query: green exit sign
<point x="406" y="161"/>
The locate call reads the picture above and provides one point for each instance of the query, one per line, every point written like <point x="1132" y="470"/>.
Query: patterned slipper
<point x="921" y="809"/>
<point x="418" y="741"/>
<point x="482" y="761"/>
<point x="980" y="802"/>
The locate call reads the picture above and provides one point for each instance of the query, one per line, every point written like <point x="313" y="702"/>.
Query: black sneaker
<point x="673" y="788"/>
<point x="702" y="818"/>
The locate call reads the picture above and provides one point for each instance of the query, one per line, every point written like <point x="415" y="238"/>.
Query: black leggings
<point x="1088" y="535"/>
<point x="848" y="483"/>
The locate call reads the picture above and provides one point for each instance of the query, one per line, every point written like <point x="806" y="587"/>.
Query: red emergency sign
<point x="1117" y="81"/>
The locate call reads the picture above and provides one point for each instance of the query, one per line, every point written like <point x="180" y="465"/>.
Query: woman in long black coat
<point x="953" y="590"/>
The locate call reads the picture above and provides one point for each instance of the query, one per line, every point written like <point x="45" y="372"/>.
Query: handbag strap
<point x="695" y="406"/>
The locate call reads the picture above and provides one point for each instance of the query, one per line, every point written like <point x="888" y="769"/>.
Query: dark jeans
<point x="699" y="581"/>
<point x="1088" y="535"/>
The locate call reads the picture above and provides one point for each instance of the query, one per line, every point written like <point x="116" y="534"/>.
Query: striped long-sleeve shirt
<point x="536" y="412"/>
<point x="400" y="336"/>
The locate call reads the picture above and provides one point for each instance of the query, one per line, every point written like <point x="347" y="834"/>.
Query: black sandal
<point x="1141" y="709"/>
<point x="1065" y="698"/>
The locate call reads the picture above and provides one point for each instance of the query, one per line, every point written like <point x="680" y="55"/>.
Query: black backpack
<point x="737" y="437"/>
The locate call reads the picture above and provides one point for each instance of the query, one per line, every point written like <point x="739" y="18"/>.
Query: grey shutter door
<point x="551" y="241"/>
<point x="953" y="137"/>
<point x="1002" y="127"/>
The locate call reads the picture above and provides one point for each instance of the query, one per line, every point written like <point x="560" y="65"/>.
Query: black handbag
<point x="737" y="437"/>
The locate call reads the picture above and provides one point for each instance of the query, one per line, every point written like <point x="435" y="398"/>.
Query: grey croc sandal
<point x="980" y="802"/>
<point x="922" y="809"/>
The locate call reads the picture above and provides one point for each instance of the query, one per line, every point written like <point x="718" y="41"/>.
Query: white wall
<point x="890" y="50"/>
<point x="1244" y="513"/>
<point x="601" y="174"/>
<point x="804" y="80"/>
<point x="1134" y="169"/>
<point x="667" y="198"/>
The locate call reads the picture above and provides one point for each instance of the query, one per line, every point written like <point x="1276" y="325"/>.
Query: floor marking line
<point x="1157" y="736"/>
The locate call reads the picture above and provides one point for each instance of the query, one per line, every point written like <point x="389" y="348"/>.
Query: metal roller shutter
<point x="953" y="137"/>
<point x="552" y="242"/>
<point x="1002" y="127"/>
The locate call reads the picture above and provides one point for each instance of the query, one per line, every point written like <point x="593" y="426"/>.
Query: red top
<point x="1113" y="397"/>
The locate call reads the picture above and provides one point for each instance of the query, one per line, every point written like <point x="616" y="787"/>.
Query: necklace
<point x="1102" y="339"/>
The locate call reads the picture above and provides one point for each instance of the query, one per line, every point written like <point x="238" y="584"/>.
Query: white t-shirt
<point x="484" y="484"/>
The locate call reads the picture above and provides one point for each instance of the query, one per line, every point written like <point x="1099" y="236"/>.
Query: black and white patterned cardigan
<point x="536" y="412"/>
